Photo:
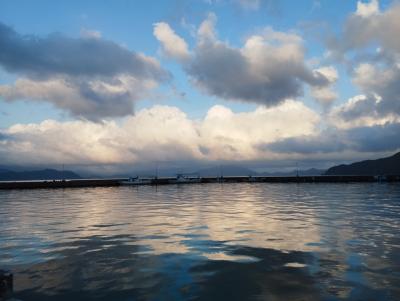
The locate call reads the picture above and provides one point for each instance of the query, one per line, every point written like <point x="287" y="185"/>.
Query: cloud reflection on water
<point x="245" y="241"/>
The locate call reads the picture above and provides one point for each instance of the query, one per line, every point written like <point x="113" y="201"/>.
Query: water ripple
<point x="247" y="241"/>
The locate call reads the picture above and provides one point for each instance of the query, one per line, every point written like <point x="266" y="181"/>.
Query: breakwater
<point x="59" y="183"/>
<point x="170" y="180"/>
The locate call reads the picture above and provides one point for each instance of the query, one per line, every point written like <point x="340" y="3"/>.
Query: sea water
<point x="246" y="241"/>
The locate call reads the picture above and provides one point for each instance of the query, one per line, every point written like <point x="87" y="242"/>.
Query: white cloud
<point x="159" y="133"/>
<point x="329" y="72"/>
<point x="249" y="4"/>
<point x="361" y="111"/>
<point x="206" y="30"/>
<point x="325" y="94"/>
<point x="90" y="34"/>
<point x="367" y="9"/>
<point x="375" y="78"/>
<point x="173" y="45"/>
<point x="229" y="135"/>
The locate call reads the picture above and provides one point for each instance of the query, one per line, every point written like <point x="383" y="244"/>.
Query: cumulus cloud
<point x="206" y="30"/>
<point x="382" y="81"/>
<point x="380" y="102"/>
<point x="367" y="9"/>
<point x="163" y="133"/>
<point x="93" y="99"/>
<point x="324" y="94"/>
<point x="173" y="45"/>
<point x="91" y="70"/>
<point x="160" y="133"/>
<point x="368" y="26"/>
<point x="237" y="136"/>
<point x="269" y="68"/>
<point x="370" y="46"/>
<point x="362" y="110"/>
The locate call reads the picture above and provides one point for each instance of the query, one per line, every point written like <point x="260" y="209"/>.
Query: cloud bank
<point x="164" y="133"/>
<point x="161" y="133"/>
<point x="377" y="138"/>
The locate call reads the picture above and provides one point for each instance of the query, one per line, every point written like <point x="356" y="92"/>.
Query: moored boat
<point x="137" y="181"/>
<point x="183" y="179"/>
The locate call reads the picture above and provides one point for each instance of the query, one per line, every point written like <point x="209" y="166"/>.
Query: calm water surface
<point x="204" y="242"/>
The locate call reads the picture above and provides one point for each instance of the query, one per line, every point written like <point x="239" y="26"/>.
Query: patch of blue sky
<point x="25" y="112"/>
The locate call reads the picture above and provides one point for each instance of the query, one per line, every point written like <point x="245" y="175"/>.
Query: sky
<point x="110" y="86"/>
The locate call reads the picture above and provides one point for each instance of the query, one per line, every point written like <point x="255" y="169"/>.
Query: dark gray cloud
<point x="88" y="77"/>
<point x="325" y="143"/>
<point x="97" y="104"/>
<point x="375" y="138"/>
<point x="225" y="72"/>
<point x="57" y="54"/>
<point x="364" y="106"/>
<point x="362" y="139"/>
<point x="268" y="69"/>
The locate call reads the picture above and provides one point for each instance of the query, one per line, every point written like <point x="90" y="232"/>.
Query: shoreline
<point x="44" y="184"/>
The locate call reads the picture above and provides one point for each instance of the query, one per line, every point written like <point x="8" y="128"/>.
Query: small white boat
<point x="137" y="181"/>
<point x="183" y="179"/>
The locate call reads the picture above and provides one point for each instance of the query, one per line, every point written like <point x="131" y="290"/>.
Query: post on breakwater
<point x="6" y="285"/>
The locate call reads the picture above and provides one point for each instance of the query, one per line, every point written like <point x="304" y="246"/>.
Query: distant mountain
<point x="307" y="172"/>
<point x="225" y="170"/>
<point x="312" y="172"/>
<point x="160" y="172"/>
<point x="44" y="174"/>
<point x="233" y="170"/>
<point x="384" y="166"/>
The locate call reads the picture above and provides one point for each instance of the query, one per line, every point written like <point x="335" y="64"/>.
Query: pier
<point x="172" y="181"/>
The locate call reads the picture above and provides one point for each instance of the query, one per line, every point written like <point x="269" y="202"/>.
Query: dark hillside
<point x="383" y="166"/>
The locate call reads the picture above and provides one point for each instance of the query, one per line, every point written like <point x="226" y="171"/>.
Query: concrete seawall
<point x="59" y="184"/>
<point x="167" y="181"/>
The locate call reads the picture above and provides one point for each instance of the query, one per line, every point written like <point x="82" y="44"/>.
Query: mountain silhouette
<point x="44" y="174"/>
<point x="383" y="166"/>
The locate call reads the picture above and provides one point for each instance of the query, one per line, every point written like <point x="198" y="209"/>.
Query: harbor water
<point x="239" y="241"/>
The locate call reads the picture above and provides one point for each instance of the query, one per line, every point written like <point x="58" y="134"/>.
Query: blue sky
<point x="130" y="23"/>
<point x="312" y="36"/>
